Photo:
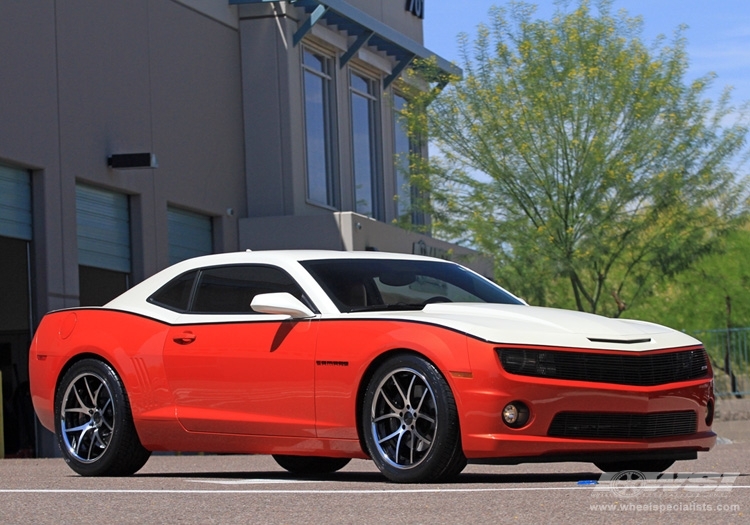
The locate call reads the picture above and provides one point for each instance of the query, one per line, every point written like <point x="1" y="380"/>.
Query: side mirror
<point x="282" y="303"/>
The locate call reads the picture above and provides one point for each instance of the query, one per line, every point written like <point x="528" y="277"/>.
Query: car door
<point x="235" y="371"/>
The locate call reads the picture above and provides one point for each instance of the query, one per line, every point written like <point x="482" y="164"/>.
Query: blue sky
<point x="718" y="32"/>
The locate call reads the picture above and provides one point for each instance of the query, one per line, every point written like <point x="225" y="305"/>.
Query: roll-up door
<point x="15" y="203"/>
<point x="103" y="221"/>
<point x="190" y="235"/>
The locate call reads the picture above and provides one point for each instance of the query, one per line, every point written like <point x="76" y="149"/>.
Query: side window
<point x="175" y="295"/>
<point x="231" y="289"/>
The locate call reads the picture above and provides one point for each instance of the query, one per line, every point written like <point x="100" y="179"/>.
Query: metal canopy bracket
<point x="308" y="24"/>
<point x="397" y="70"/>
<point x="358" y="43"/>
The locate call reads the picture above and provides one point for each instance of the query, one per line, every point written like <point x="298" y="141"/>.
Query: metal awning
<point x="366" y="30"/>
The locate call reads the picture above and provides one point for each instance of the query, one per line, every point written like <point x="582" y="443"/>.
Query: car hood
<point x="529" y="325"/>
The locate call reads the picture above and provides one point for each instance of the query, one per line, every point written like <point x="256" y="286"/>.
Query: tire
<point x="310" y="465"/>
<point x="410" y="422"/>
<point x="93" y="422"/>
<point x="654" y="465"/>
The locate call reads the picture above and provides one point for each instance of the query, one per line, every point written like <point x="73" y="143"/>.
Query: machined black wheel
<point x="410" y="422"/>
<point x="93" y="422"/>
<point x="311" y="465"/>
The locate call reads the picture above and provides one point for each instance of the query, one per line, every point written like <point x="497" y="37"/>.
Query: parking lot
<point x="253" y="489"/>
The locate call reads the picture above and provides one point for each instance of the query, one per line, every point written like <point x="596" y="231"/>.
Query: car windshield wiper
<point x="385" y="307"/>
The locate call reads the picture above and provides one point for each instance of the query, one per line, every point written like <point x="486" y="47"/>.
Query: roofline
<point x="408" y="48"/>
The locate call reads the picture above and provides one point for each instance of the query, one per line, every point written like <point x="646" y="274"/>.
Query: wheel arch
<point x="81" y="357"/>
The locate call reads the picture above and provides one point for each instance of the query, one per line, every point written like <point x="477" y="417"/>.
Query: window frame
<point x="375" y="139"/>
<point x="327" y="77"/>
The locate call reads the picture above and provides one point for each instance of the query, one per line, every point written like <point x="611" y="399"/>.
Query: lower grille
<point x="623" y="426"/>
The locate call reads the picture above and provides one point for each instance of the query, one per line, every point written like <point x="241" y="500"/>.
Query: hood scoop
<point x="620" y="341"/>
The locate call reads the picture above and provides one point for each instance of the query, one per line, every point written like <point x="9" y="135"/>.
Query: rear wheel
<point x="93" y="422"/>
<point x="410" y="422"/>
<point x="310" y="464"/>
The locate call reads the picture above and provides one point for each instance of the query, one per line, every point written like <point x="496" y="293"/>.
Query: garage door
<point x="103" y="221"/>
<point x="190" y="235"/>
<point x="15" y="203"/>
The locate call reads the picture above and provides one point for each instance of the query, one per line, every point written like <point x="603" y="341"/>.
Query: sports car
<point x="318" y="357"/>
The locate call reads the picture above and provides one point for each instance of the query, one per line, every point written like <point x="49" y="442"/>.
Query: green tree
<point x="579" y="158"/>
<point x="712" y="294"/>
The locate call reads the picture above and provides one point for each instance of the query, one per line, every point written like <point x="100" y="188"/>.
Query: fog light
<point x="709" y="413"/>
<point x="515" y="414"/>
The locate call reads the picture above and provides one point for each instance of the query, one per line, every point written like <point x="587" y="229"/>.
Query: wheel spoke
<point x="423" y="439"/>
<point x="80" y="441"/>
<point x="390" y="404"/>
<point x="78" y="428"/>
<point x="84" y="411"/>
<point x="92" y="397"/>
<point x="391" y="436"/>
<point x="421" y="400"/>
<point x="408" y="390"/>
<point x="398" y="387"/>
<point x="385" y="416"/>
<point x="398" y="447"/>
<point x="80" y="401"/>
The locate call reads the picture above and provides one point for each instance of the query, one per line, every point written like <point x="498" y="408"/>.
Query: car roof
<point x="135" y="298"/>
<point x="289" y="256"/>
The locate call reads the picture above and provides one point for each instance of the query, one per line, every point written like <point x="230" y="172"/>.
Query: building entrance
<point x="15" y="337"/>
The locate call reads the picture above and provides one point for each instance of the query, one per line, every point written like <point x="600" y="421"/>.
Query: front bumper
<point x="486" y="438"/>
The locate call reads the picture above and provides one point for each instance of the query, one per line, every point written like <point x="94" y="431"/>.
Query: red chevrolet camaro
<point x="318" y="357"/>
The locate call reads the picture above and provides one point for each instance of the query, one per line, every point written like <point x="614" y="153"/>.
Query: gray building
<point x="137" y="134"/>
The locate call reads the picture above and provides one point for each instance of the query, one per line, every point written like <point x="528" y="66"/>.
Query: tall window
<point x="318" y="128"/>
<point x="364" y="104"/>
<point x="404" y="147"/>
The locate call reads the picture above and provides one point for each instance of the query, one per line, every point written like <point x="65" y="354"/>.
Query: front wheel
<point x="410" y="422"/>
<point x="93" y="422"/>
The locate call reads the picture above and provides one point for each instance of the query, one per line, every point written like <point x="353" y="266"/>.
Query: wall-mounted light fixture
<point x="127" y="161"/>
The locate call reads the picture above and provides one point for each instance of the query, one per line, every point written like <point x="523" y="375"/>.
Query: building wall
<point x="120" y="77"/>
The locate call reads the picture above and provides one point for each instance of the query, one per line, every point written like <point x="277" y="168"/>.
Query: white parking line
<point x="253" y="481"/>
<point x="300" y="491"/>
<point x="285" y="491"/>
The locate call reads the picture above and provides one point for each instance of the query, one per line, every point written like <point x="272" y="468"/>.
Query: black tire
<point x="654" y="465"/>
<point x="311" y="465"/>
<point x="410" y="422"/>
<point x="93" y="422"/>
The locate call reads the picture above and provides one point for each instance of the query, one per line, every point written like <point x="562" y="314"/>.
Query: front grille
<point x="623" y="426"/>
<point x="630" y="369"/>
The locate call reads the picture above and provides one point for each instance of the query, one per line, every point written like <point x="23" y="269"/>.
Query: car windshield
<point x="358" y="285"/>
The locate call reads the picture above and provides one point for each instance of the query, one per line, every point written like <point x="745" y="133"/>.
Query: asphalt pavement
<point x="198" y="489"/>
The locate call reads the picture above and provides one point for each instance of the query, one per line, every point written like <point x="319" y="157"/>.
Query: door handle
<point x="185" y="338"/>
